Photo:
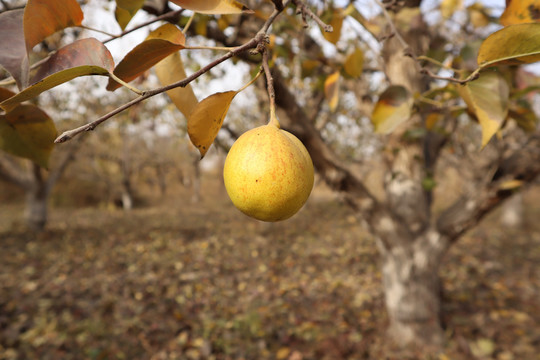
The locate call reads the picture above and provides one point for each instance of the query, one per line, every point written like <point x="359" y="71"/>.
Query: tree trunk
<point x="413" y="293"/>
<point x="36" y="207"/>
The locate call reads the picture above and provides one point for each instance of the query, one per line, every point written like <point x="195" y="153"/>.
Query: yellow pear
<point x="268" y="173"/>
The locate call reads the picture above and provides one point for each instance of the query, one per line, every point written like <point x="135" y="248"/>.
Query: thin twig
<point x="188" y="24"/>
<point x="474" y="75"/>
<point x="170" y="14"/>
<point x="306" y="12"/>
<point x="392" y="25"/>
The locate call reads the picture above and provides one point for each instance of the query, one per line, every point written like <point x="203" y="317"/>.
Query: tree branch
<point x="258" y="42"/>
<point x="12" y="175"/>
<point x="523" y="164"/>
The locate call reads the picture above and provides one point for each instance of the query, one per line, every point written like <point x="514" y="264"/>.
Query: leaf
<point x="331" y="90"/>
<point x="126" y="10"/>
<point x="512" y="45"/>
<point x="520" y="11"/>
<point x="207" y="118"/>
<point x="159" y="44"/>
<point x="354" y="63"/>
<point x="487" y="98"/>
<point x="478" y="15"/>
<point x="336" y="21"/>
<point x="83" y="57"/>
<point x="28" y="132"/>
<point x="449" y="7"/>
<point x="171" y="70"/>
<point x="392" y="109"/>
<point x="43" y="18"/>
<point x="213" y="6"/>
<point x="5" y="94"/>
<point x="13" y="55"/>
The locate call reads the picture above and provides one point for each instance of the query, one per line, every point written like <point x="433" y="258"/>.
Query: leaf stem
<point x="123" y="83"/>
<point x="251" y="81"/>
<point x="270" y="88"/>
<point x="188" y="24"/>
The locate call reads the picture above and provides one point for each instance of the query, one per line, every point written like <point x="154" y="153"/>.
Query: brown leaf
<point x="13" y="55"/>
<point x="161" y="42"/>
<point x="83" y="57"/>
<point x="43" y="18"/>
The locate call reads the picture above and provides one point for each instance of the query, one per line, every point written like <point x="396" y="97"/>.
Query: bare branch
<point x="306" y="12"/>
<point x="11" y="174"/>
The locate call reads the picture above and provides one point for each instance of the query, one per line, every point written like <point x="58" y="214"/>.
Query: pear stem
<point x="270" y="88"/>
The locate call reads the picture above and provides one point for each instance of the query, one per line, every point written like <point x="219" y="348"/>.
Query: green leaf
<point x="207" y="118"/>
<point x="487" y="98"/>
<point x="126" y="10"/>
<point x="213" y="6"/>
<point x="13" y="55"/>
<point x="159" y="44"/>
<point x="512" y="45"/>
<point x="171" y="70"/>
<point x="83" y="57"/>
<point x="28" y="132"/>
<point x="44" y="18"/>
<point x="392" y="109"/>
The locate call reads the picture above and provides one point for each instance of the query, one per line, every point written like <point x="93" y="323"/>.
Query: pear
<point x="268" y="173"/>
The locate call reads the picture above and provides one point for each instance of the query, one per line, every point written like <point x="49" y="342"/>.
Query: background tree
<point x="428" y="93"/>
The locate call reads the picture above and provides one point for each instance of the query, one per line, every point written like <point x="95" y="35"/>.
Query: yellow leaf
<point x="331" y="90"/>
<point x="514" y="44"/>
<point x="511" y="184"/>
<point x="28" y="132"/>
<point x="283" y="353"/>
<point x="392" y="109"/>
<point x="478" y="15"/>
<point x="171" y="70"/>
<point x="432" y="119"/>
<point x="336" y="22"/>
<point x="213" y="6"/>
<point x="487" y="98"/>
<point x="520" y="11"/>
<point x="207" y="118"/>
<point x="449" y="7"/>
<point x="125" y="10"/>
<point x="159" y="44"/>
<point x="354" y="63"/>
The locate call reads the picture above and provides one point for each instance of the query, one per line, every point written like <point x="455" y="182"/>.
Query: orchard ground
<point x="176" y="280"/>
